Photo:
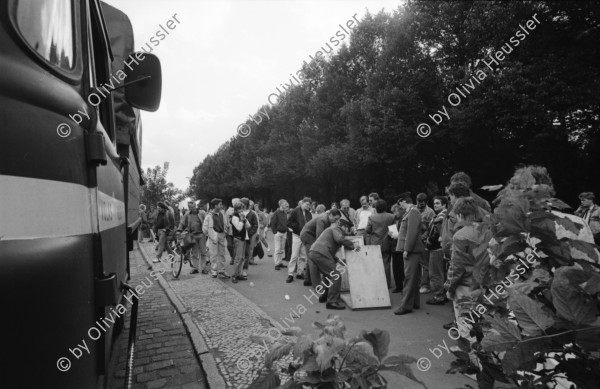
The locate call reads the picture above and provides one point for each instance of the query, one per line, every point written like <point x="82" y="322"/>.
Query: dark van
<point x="70" y="175"/>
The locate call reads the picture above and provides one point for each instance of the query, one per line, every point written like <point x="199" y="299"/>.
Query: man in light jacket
<point x="214" y="227"/>
<point x="279" y="228"/>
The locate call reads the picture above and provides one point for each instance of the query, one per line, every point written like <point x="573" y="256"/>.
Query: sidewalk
<point x="225" y="320"/>
<point x="164" y="356"/>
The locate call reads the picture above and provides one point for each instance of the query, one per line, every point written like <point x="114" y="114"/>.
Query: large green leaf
<point x="310" y="364"/>
<point x="510" y="245"/>
<point x="589" y="338"/>
<point x="277" y="351"/>
<point x="502" y="336"/>
<point x="303" y="343"/>
<point x="592" y="286"/>
<point x="380" y="340"/>
<point x="569" y="226"/>
<point x="326" y="354"/>
<point x="291" y="384"/>
<point x="569" y="302"/>
<point x="402" y="369"/>
<point x="584" y="250"/>
<point x="558" y="204"/>
<point x="512" y="215"/>
<point x="398" y="359"/>
<point x="541" y="275"/>
<point x="267" y="379"/>
<point x="587" y="278"/>
<point x="532" y="316"/>
<point x="361" y="352"/>
<point x="524" y="355"/>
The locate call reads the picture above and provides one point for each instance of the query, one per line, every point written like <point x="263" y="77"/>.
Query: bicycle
<point x="181" y="255"/>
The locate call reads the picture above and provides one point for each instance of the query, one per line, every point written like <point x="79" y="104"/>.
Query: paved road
<point x="411" y="334"/>
<point x="227" y="314"/>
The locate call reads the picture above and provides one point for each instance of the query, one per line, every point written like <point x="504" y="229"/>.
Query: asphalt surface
<point x="413" y="334"/>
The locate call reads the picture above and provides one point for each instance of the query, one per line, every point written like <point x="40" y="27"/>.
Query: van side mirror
<point x="144" y="82"/>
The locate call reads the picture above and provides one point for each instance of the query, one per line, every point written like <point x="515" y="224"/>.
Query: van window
<point x="47" y="27"/>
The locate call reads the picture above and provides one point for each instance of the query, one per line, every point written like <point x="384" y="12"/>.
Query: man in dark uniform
<point x="311" y="231"/>
<point x="411" y="246"/>
<point x="322" y="255"/>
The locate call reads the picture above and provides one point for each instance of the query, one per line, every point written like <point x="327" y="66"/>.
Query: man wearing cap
<point x="298" y="218"/>
<point x="322" y="255"/>
<point x="427" y="215"/>
<point x="411" y="246"/>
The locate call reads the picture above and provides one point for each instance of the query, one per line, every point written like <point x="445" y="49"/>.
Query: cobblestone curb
<point x="213" y="377"/>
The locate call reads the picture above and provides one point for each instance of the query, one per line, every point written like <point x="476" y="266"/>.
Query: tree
<point x="350" y="127"/>
<point x="157" y="188"/>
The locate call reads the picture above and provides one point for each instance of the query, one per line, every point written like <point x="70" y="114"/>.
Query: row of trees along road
<point x="350" y="127"/>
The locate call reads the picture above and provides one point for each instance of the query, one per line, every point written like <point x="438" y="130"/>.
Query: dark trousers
<point x="288" y="246"/>
<point x="248" y="255"/>
<point x="425" y="268"/>
<point x="412" y="281"/>
<point x="326" y="266"/>
<point x="398" y="269"/>
<point x="386" y="257"/>
<point x="230" y="245"/>
<point x="307" y="276"/>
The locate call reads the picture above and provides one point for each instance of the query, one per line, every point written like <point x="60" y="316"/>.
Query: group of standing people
<point x="424" y="250"/>
<point x="211" y="233"/>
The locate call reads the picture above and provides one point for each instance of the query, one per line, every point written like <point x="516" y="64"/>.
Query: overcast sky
<point x="221" y="63"/>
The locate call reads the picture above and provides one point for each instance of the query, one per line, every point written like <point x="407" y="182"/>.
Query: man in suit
<point x="322" y="255"/>
<point x="397" y="261"/>
<point x="427" y="215"/>
<point x="377" y="228"/>
<point x="298" y="218"/>
<point x="411" y="246"/>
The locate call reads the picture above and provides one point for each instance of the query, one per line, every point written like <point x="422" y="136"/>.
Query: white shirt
<point x="363" y="218"/>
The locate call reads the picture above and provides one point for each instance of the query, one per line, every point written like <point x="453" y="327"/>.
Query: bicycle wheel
<point x="177" y="264"/>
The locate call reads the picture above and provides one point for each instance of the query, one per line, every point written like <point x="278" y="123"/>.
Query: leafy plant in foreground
<point x="330" y="361"/>
<point x="535" y="324"/>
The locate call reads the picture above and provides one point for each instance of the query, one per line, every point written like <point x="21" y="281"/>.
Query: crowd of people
<point x="424" y="250"/>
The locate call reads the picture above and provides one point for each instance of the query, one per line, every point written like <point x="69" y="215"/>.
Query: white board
<point x="366" y="276"/>
<point x="341" y="254"/>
